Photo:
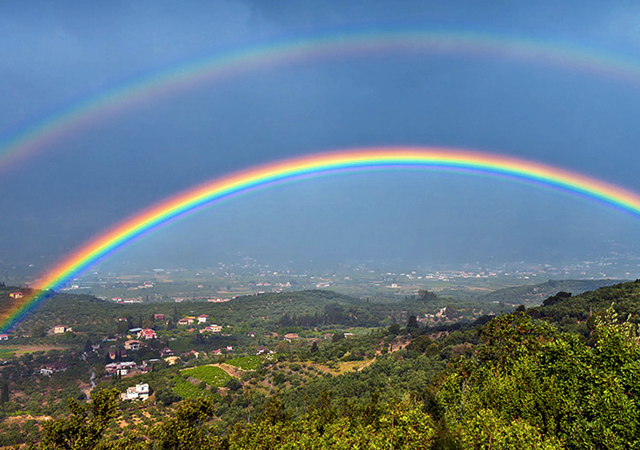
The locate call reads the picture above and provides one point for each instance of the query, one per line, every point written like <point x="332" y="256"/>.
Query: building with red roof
<point x="147" y="333"/>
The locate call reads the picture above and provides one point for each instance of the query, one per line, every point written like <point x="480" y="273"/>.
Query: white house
<point x="52" y="368"/>
<point x="137" y="392"/>
<point x="132" y="345"/>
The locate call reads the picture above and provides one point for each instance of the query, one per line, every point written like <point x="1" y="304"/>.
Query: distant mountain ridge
<point x="534" y="295"/>
<point x="569" y="309"/>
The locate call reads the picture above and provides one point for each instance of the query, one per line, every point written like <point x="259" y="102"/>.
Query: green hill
<point x="568" y="310"/>
<point x="533" y="295"/>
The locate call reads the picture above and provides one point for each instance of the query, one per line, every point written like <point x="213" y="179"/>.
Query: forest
<point x="560" y="375"/>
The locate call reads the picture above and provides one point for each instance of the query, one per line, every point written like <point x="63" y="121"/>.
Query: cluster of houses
<point x="190" y="320"/>
<point x="211" y="329"/>
<point x="203" y="318"/>
<point x="137" y="336"/>
<point x="120" y="301"/>
<point x="143" y="333"/>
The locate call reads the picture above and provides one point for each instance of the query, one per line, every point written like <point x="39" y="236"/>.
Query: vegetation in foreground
<point x="525" y="386"/>
<point x="516" y="381"/>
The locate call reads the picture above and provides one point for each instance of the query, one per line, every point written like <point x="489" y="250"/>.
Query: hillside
<point x="575" y="312"/>
<point x="498" y="381"/>
<point x="267" y="312"/>
<point x="533" y="295"/>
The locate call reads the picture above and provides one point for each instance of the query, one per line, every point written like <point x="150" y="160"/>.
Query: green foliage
<point x="398" y="425"/>
<point x="189" y="429"/>
<point x="532" y="384"/>
<point x="84" y="429"/>
<point x="567" y="311"/>
<point x="486" y="430"/>
<point x="420" y="344"/>
<point x="167" y="397"/>
<point x="4" y="393"/>
<point x="186" y="390"/>
<point x="233" y="384"/>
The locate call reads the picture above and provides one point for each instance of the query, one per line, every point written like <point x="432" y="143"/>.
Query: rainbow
<point x="295" y="168"/>
<point x="132" y="94"/>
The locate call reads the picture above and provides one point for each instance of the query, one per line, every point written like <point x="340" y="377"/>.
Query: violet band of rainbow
<point x="74" y="118"/>
<point x="290" y="169"/>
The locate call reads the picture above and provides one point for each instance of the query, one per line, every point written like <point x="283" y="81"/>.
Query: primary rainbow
<point x="290" y="169"/>
<point x="113" y="101"/>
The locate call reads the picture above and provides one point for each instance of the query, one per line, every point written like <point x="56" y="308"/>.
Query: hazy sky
<point x="57" y="53"/>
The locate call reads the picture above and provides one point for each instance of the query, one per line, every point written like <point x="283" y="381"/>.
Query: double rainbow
<point x="294" y="168"/>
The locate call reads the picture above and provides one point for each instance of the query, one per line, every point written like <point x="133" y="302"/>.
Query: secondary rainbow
<point x="294" y="168"/>
<point x="80" y="115"/>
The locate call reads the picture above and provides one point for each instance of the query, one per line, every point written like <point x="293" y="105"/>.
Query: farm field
<point x="185" y="389"/>
<point x="23" y="349"/>
<point x="5" y="352"/>
<point x="212" y="375"/>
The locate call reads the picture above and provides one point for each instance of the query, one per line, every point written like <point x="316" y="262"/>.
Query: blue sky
<point x="56" y="53"/>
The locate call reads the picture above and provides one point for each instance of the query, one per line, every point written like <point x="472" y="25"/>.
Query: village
<point x="137" y="350"/>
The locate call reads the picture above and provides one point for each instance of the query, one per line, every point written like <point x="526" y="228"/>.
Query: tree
<point x="412" y="323"/>
<point x="38" y="331"/>
<point x="167" y="397"/>
<point x="233" y="384"/>
<point x="189" y="429"/>
<point x="425" y="295"/>
<point x="420" y="344"/>
<point x="4" y="394"/>
<point x="394" y="329"/>
<point x="87" y="346"/>
<point x="532" y="387"/>
<point x="84" y="429"/>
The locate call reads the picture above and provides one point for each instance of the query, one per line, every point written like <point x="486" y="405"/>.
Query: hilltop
<point x="533" y="295"/>
<point x="574" y="311"/>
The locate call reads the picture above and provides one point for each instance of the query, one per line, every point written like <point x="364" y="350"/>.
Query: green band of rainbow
<point x="384" y="157"/>
<point x="113" y="101"/>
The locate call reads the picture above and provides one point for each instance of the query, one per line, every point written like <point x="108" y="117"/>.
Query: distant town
<point x="247" y="276"/>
